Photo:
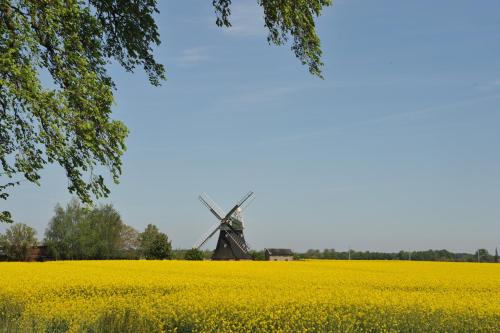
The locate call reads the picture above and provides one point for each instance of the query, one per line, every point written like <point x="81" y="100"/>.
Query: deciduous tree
<point x="66" y="118"/>
<point x="155" y="244"/>
<point x="77" y="232"/>
<point x="193" y="254"/>
<point x="129" y="244"/>
<point x="62" y="233"/>
<point x="18" y="241"/>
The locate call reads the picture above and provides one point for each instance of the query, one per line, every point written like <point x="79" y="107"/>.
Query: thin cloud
<point x="193" y="56"/>
<point x="247" y="19"/>
<point x="490" y="86"/>
<point x="397" y="116"/>
<point x="254" y="97"/>
<point x="264" y="95"/>
<point x="438" y="108"/>
<point x="296" y="137"/>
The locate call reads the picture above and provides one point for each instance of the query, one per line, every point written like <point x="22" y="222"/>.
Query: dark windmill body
<point x="231" y="244"/>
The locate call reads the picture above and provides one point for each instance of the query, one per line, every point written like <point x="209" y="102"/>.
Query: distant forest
<point x="76" y="232"/>
<point x="428" y="255"/>
<point x="481" y="255"/>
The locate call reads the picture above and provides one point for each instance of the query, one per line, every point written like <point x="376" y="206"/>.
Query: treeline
<point x="481" y="255"/>
<point x="77" y="232"/>
<point x="191" y="254"/>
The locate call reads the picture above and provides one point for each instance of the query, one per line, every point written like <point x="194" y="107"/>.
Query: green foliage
<point x="154" y="244"/>
<point x="129" y="242"/>
<point x="482" y="255"/>
<point x="6" y="217"/>
<point x="285" y="19"/>
<point x="180" y="254"/>
<point x="194" y="254"/>
<point x="61" y="235"/>
<point x="78" y="232"/>
<point x="428" y="255"/>
<point x="18" y="242"/>
<point x="68" y="122"/>
<point x="99" y="234"/>
<point x="122" y="321"/>
<point x="257" y="255"/>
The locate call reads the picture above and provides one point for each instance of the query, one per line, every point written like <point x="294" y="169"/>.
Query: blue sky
<point x="397" y="148"/>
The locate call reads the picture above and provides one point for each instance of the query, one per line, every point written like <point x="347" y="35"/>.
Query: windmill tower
<point x="231" y="244"/>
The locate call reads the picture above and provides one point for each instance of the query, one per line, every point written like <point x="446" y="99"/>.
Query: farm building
<point x="278" y="254"/>
<point x="39" y="253"/>
<point x="36" y="253"/>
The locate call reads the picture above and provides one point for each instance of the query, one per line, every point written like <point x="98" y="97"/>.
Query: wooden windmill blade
<point x="238" y="205"/>
<point x="212" y="206"/>
<point x="245" y="198"/>
<point x="248" y="202"/>
<point x="207" y="236"/>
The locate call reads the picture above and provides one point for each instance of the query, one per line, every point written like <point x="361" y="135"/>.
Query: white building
<point x="278" y="254"/>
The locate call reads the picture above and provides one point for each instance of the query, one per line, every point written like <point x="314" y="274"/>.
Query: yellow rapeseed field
<point x="302" y="296"/>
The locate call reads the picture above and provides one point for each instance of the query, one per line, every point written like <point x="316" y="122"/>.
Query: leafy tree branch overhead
<point x="70" y="123"/>
<point x="287" y="19"/>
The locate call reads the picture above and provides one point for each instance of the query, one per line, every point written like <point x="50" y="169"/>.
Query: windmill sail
<point x="207" y="236"/>
<point x="245" y="198"/>
<point x="210" y="204"/>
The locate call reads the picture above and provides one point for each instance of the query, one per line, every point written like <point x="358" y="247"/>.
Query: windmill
<point x="231" y="244"/>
